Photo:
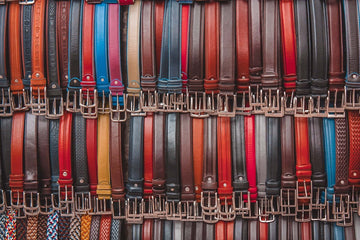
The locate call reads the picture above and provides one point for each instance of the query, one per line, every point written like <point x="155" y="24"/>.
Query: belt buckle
<point x="134" y="105"/>
<point x="265" y="215"/>
<point x="288" y="102"/>
<point x="17" y="204"/>
<point x="340" y="205"/>
<point x="303" y="202"/>
<point x="253" y="212"/>
<point x="209" y="205"/>
<point x="274" y="106"/>
<point x="46" y="205"/>
<point x="318" y="106"/>
<point x="226" y="211"/>
<point x="6" y="109"/>
<point x="2" y="201"/>
<point x="193" y="211"/>
<point x="257" y="101"/>
<point x="38" y="101"/>
<point x="117" y="111"/>
<point x="102" y="206"/>
<point x="172" y="102"/>
<point x="354" y="200"/>
<point x="82" y="202"/>
<point x="318" y="207"/>
<point x="134" y="213"/>
<point x="19" y="101"/>
<point x="118" y="208"/>
<point x="346" y="220"/>
<point x="159" y="206"/>
<point x="241" y="202"/>
<point x="243" y="103"/>
<point x="352" y="98"/>
<point x="174" y="210"/>
<point x="26" y="2"/>
<point x="149" y="101"/>
<point x="302" y="106"/>
<point x="197" y="105"/>
<point x="54" y="107"/>
<point x="336" y="104"/>
<point x="88" y="103"/>
<point x="288" y="202"/>
<point x="103" y="105"/>
<point x="72" y="100"/>
<point x="148" y="208"/>
<point x="31" y="203"/>
<point x="65" y="201"/>
<point x="226" y="105"/>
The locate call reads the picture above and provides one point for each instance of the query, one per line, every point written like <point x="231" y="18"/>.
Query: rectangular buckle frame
<point x="226" y="105"/>
<point x="38" y="101"/>
<point x="318" y="207"/>
<point x="118" y="113"/>
<point x="288" y="201"/>
<point x="26" y="2"/>
<point x="336" y="107"/>
<point x="265" y="214"/>
<point x="193" y="211"/>
<point x="19" y="101"/>
<point x="101" y="206"/>
<point x="174" y="210"/>
<point x="54" y="107"/>
<point x="73" y="100"/>
<point x="103" y="105"/>
<point x="253" y="212"/>
<point x="226" y="211"/>
<point x="31" y="203"/>
<point x="6" y="109"/>
<point x="257" y="101"/>
<point x="46" y="204"/>
<point x="172" y="102"/>
<point x="118" y="208"/>
<point x="274" y="106"/>
<point x="88" y="103"/>
<point x="352" y="98"/>
<point x="65" y="201"/>
<point x="149" y="101"/>
<point x="148" y="208"/>
<point x="134" y="209"/>
<point x="303" y="202"/>
<point x="209" y="205"/>
<point x="197" y="105"/>
<point x="241" y="202"/>
<point x="318" y="106"/>
<point x="159" y="206"/>
<point x="301" y="106"/>
<point x="134" y="105"/>
<point x="242" y="100"/>
<point x="82" y="202"/>
<point x="18" y="204"/>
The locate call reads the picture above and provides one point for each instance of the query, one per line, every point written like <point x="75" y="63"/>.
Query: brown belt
<point x="288" y="176"/>
<point x="354" y="156"/>
<point x="159" y="19"/>
<point x="255" y="42"/>
<point x="198" y="154"/>
<point x="342" y="156"/>
<point x="148" y="230"/>
<point x="159" y="155"/>
<point x="148" y="154"/>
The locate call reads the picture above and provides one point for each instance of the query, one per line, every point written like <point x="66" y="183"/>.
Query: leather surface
<point x="255" y="41"/>
<point x="273" y="175"/>
<point x="26" y="36"/>
<point x="158" y="229"/>
<point x="250" y="155"/>
<point x="91" y="150"/>
<point x="148" y="154"/>
<point x="330" y="155"/>
<point x="3" y="26"/>
<point x="31" y="183"/>
<point x="147" y="229"/>
<point x="198" y="154"/>
<point x="284" y="231"/>
<point x="263" y="230"/>
<point x="354" y="155"/>
<point x="178" y="230"/>
<point x="240" y="229"/>
<point x="168" y="227"/>
<point x="189" y="230"/>
<point x="349" y="233"/>
<point x="342" y="156"/>
<point x="220" y="230"/>
<point x="338" y="232"/>
<point x="103" y="189"/>
<point x="5" y="131"/>
<point x="261" y="156"/>
<point x="185" y="30"/>
<point x="306" y="230"/>
<point x="253" y="229"/>
<point x="159" y="155"/>
<point x="209" y="182"/>
<point x="159" y="19"/>
<point x="44" y="172"/>
<point x="288" y="176"/>
<point x="209" y="232"/>
<point x="316" y="229"/>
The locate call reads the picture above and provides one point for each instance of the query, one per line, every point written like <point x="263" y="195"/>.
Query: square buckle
<point x="117" y="109"/>
<point x="159" y="206"/>
<point x="226" y="105"/>
<point x="19" y="101"/>
<point x="352" y="98"/>
<point x="17" y="204"/>
<point x="148" y="208"/>
<point x="253" y="212"/>
<point x="209" y="205"/>
<point x="265" y="214"/>
<point x="149" y="101"/>
<point x="38" y="101"/>
<point x="54" y="107"/>
<point x="103" y="107"/>
<point x="6" y="109"/>
<point x="31" y="203"/>
<point x="174" y="210"/>
<point x="257" y="101"/>
<point x="302" y="106"/>
<point x="193" y="211"/>
<point x="172" y="102"/>
<point x="341" y="205"/>
<point x="102" y="206"/>
<point x="82" y="202"/>
<point x="319" y="205"/>
<point x="303" y="201"/>
<point x="46" y="204"/>
<point x="288" y="202"/>
<point x="226" y="211"/>
<point x="73" y="100"/>
<point x="118" y="208"/>
<point x="243" y="103"/>
<point x="288" y="102"/>
<point x="274" y="104"/>
<point x="65" y="201"/>
<point x="134" y="209"/>
<point x="241" y="202"/>
<point x="197" y="105"/>
<point x="134" y="105"/>
<point x="88" y="103"/>
<point x="336" y="104"/>
<point x="318" y="106"/>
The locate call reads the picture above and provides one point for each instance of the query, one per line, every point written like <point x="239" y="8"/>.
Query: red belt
<point x="91" y="149"/>
<point x="184" y="43"/>
<point x="354" y="156"/>
<point x="250" y="155"/>
<point x="224" y="230"/>
<point x="198" y="154"/>
<point x="148" y="154"/>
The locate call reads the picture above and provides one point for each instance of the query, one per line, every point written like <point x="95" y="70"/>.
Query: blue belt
<point x="330" y="155"/>
<point x="4" y="82"/>
<point x="338" y="232"/>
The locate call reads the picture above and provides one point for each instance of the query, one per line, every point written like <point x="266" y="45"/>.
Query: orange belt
<point x="148" y="154"/>
<point x="354" y="156"/>
<point x="198" y="154"/>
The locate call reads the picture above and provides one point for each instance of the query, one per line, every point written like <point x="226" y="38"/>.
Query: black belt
<point x="326" y="230"/>
<point x="168" y="229"/>
<point x="158" y="229"/>
<point x="303" y="49"/>
<point x="172" y="157"/>
<point x="4" y="81"/>
<point x="240" y="229"/>
<point x="44" y="156"/>
<point x="273" y="178"/>
<point x="54" y="154"/>
<point x="319" y="47"/>
<point x="134" y="185"/>
<point x="26" y="31"/>
<point x="5" y="130"/>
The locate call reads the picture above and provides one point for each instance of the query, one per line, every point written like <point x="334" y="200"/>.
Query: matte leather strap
<point x="273" y="229"/>
<point x="253" y="229"/>
<point x="240" y="182"/>
<point x="172" y="157"/>
<point x="316" y="227"/>
<point x="158" y="229"/>
<point x="263" y="230"/>
<point x="5" y="131"/>
<point x="54" y="153"/>
<point x="26" y="39"/>
<point x="186" y="158"/>
<point x="199" y="230"/>
<point x="342" y="156"/>
<point x="210" y="231"/>
<point x="288" y="38"/>
<point x="220" y="230"/>
<point x="105" y="227"/>
<point x="209" y="182"/>
<point x="305" y="230"/>
<point x="261" y="156"/>
<point x="159" y="19"/>
<point x="288" y="176"/>
<point x="159" y="176"/>
<point x="273" y="175"/>
<point x="326" y="230"/>
<point x="255" y="41"/>
<point x="185" y="20"/>
<point x="198" y="154"/>
<point x="168" y="229"/>
<point x="349" y="233"/>
<point x="357" y="225"/>
<point x="148" y="154"/>
<point x="178" y="230"/>
<point x="134" y="185"/>
<point x="317" y="155"/>
<point x="351" y="15"/>
<point x="330" y="155"/>
<point x="250" y="155"/>
<point x="91" y="150"/>
<point x="284" y="232"/>
<point x="240" y="229"/>
<point x="319" y="47"/>
<point x="147" y="230"/>
<point x="336" y="72"/>
<point x="338" y="232"/>
<point x="4" y="81"/>
<point x="354" y="156"/>
<point x="302" y="17"/>
<point x="242" y="45"/>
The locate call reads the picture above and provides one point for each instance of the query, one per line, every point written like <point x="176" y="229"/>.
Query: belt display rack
<point x="179" y="119"/>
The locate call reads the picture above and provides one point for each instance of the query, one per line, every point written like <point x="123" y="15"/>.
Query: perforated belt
<point x="342" y="156"/>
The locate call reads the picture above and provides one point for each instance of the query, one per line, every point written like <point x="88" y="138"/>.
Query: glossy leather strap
<point x="147" y="230"/>
<point x="240" y="229"/>
<point x="5" y="131"/>
<point x="255" y="41"/>
<point x="126" y="2"/>
<point x="250" y="155"/>
<point x="220" y="230"/>
<point x="91" y="150"/>
<point x="199" y="230"/>
<point x="263" y="230"/>
<point x="261" y="156"/>
<point x="316" y="228"/>
<point x="185" y="20"/>
<point x="26" y="39"/>
<point x="210" y="232"/>
<point x="168" y="229"/>
<point x="43" y="141"/>
<point x="349" y="233"/>
<point x="4" y="81"/>
<point x="283" y="228"/>
<point x="54" y="153"/>
<point x="288" y="176"/>
<point x="31" y="183"/>
<point x="305" y="230"/>
<point x="189" y="230"/>
<point x="178" y="230"/>
<point x="354" y="155"/>
<point x="148" y="154"/>
<point x="158" y="229"/>
<point x="253" y="229"/>
<point x="338" y="232"/>
<point x="273" y="176"/>
<point x="159" y="176"/>
<point x="209" y="182"/>
<point x="330" y="154"/>
<point x="159" y="19"/>
<point x="198" y="153"/>
<point x="342" y="156"/>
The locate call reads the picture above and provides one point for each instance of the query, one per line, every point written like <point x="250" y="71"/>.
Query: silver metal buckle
<point x="148" y="208"/>
<point x="352" y="98"/>
<point x="275" y="206"/>
<point x="241" y="202"/>
<point x="38" y="101"/>
<point x="265" y="214"/>
<point x="6" y="109"/>
<point x="65" y="201"/>
<point x="336" y="104"/>
<point x="118" y="208"/>
<point x="354" y="200"/>
<point x="346" y="220"/>
<point x="46" y="205"/>
<point x="2" y="201"/>
<point x="73" y="100"/>
<point x="134" y="105"/>
<point x="226" y="212"/>
<point x="117" y="112"/>
<point x="26" y="2"/>
<point x="19" y="101"/>
<point x="303" y="202"/>
<point x="134" y="211"/>
<point x="103" y="107"/>
<point x="54" y="107"/>
<point x="274" y="106"/>
<point x="253" y="212"/>
<point x="330" y="216"/>
<point x="197" y="105"/>
<point x="318" y="106"/>
<point x="82" y="202"/>
<point x="172" y="102"/>
<point x="17" y="204"/>
<point x="243" y="103"/>
<point x="159" y="206"/>
<point x="193" y="211"/>
<point x="102" y="206"/>
<point x="257" y="102"/>
<point x="301" y="106"/>
<point x="226" y="105"/>
<point x="149" y="101"/>
<point x="288" y="102"/>
<point x="88" y="103"/>
<point x="210" y="103"/>
<point x="174" y="210"/>
<point x="341" y="206"/>
<point x="209" y="205"/>
<point x="288" y="201"/>
<point x="31" y="203"/>
<point x="318" y="207"/>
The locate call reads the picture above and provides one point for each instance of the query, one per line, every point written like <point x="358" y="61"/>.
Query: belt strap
<point x="209" y="182"/>
<point x="198" y="153"/>
<point x="306" y="230"/>
<point x="10" y="229"/>
<point x="199" y="230"/>
<point x="136" y="231"/>
<point x="54" y="153"/>
<point x="75" y="226"/>
<point x="240" y="229"/>
<point x="172" y="157"/>
<point x="227" y="47"/>
<point x="317" y="155"/>
<point x="250" y="156"/>
<point x="158" y="229"/>
<point x="147" y="231"/>
<point x="261" y="157"/>
<point x="95" y="227"/>
<point x="263" y="230"/>
<point x="26" y="38"/>
<point x="242" y="45"/>
<point x="357" y="225"/>
<point x="53" y="226"/>
<point x="220" y="230"/>
<point x="351" y="14"/>
<point x="186" y="158"/>
<point x="327" y="230"/>
<point x="6" y="130"/>
<point x="44" y="156"/>
<point x="21" y="224"/>
<point x="32" y="225"/>
<point x="185" y="20"/>
<point x="148" y="154"/>
<point x="209" y="232"/>
<point x="349" y="233"/>
<point x="240" y="182"/>
<point x="338" y="232"/>
<point x="196" y="48"/>
<point x="270" y="77"/>
<point x="42" y="226"/>
<point x="336" y="72"/>
<point x="103" y="189"/>
<point x="168" y="229"/>
<point x="317" y="229"/>
<point x="85" y="227"/>
<point x="342" y="156"/>
<point x="255" y="42"/>
<point x="189" y="230"/>
<point x="319" y="47"/>
<point x="91" y="150"/>
<point x="126" y="2"/>
<point x="288" y="176"/>
<point x="105" y="227"/>
<point x="159" y="19"/>
<point x="135" y="165"/>
<point x="354" y="156"/>
<point x="302" y="17"/>
<point x="178" y="230"/>
<point x="288" y="38"/>
<point x="253" y="229"/>
<point x="159" y="176"/>
<point x="16" y="181"/>
<point x="4" y="81"/>
<point x="330" y="155"/>
<point x="116" y="229"/>
<point x="64" y="228"/>
<point x="273" y="176"/>
<point x="283" y="228"/>
<point x="211" y="47"/>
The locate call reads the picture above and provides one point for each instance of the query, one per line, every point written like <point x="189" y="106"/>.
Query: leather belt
<point x="211" y="47"/>
<point x="134" y="185"/>
<point x="178" y="230"/>
<point x="330" y="155"/>
<point x="261" y="157"/>
<point x="227" y="47"/>
<point x="4" y="81"/>
<point x="185" y="19"/>
<point x="317" y="156"/>
<point x="26" y="39"/>
<point x="255" y="42"/>
<point x="147" y="231"/>
<point x="91" y="150"/>
<point x="253" y="231"/>
<point x="354" y="155"/>
<point x="250" y="156"/>
<point x="288" y="152"/>
<point x="306" y="230"/>
<point x="273" y="178"/>
<point x="186" y="158"/>
<point x="158" y="228"/>
<point x="263" y="229"/>
<point x="338" y="232"/>
<point x="159" y="19"/>
<point x="288" y="38"/>
<point x="54" y="153"/>
<point x="5" y="131"/>
<point x="198" y="154"/>
<point x="168" y="229"/>
<point x="242" y="45"/>
<point x="327" y="230"/>
<point x="270" y="77"/>
<point x="105" y="227"/>
<point x="136" y="232"/>
<point x="350" y="233"/>
<point x="209" y="232"/>
<point x="351" y="14"/>
<point x="196" y="48"/>
<point x="126" y="2"/>
<point x="159" y="176"/>
<point x="356" y="225"/>
<point x="172" y="127"/>
<point x="189" y="230"/>
<point x="301" y="14"/>
<point x="319" y="47"/>
<point x="342" y="156"/>
<point x="336" y="72"/>
<point x="240" y="229"/>
<point x="316" y="228"/>
<point x="199" y="230"/>
<point x="148" y="154"/>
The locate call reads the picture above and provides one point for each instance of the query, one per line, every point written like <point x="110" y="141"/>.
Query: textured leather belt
<point x="342" y="156"/>
<point x="185" y="20"/>
<point x="288" y="38"/>
<point x="354" y="161"/>
<point x="319" y="47"/>
<point x="255" y="42"/>
<point x="91" y="150"/>
<point x="26" y="39"/>
<point x="54" y="154"/>
<point x="273" y="176"/>
<point x="260" y="153"/>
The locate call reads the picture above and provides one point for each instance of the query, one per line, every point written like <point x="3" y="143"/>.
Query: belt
<point x="273" y="229"/>
<point x="327" y="230"/>
<point x="240" y="229"/>
<point x="349" y="233"/>
<point x="158" y="229"/>
<point x="21" y="224"/>
<point x="211" y="47"/>
<point x="198" y="153"/>
<point x="196" y="49"/>
<point x="26" y="39"/>
<point x="317" y="229"/>
<point x="253" y="230"/>
<point x="270" y="77"/>
<point x="105" y="227"/>
<point x="53" y="225"/>
<point x="185" y="31"/>
<point x="126" y="2"/>
<point x="54" y="92"/>
<point x="250" y="156"/>
<point x="64" y="228"/>
<point x="273" y="177"/>
<point x="75" y="226"/>
<point x="356" y="225"/>
<point x="351" y="14"/>
<point x="338" y="232"/>
<point x="5" y="131"/>
<point x="288" y="39"/>
<point x="85" y="227"/>
<point x="177" y="230"/>
<point x="227" y="47"/>
<point x="221" y="230"/>
<point x="336" y="72"/>
<point x="186" y="158"/>
<point x="342" y="156"/>
<point x="91" y="150"/>
<point x="31" y="229"/>
<point x="260" y="153"/>
<point x="317" y="156"/>
<point x="330" y="155"/>
<point x="263" y="229"/>
<point x="147" y="231"/>
<point x="242" y="45"/>
<point x="209" y="232"/>
<point x="294" y="226"/>
<point x="301" y="13"/>
<point x="95" y="227"/>
<point x="168" y="229"/>
<point x="189" y="230"/>
<point x="116" y="229"/>
<point x="4" y="81"/>
<point x="284" y="232"/>
<point x="306" y="230"/>
<point x="159" y="20"/>
<point x="148" y="154"/>
<point x="54" y="153"/>
<point x="319" y="48"/>
<point x="38" y="81"/>
<point x="136" y="231"/>
<point x="354" y="155"/>
<point x="255" y="42"/>
<point x="199" y="230"/>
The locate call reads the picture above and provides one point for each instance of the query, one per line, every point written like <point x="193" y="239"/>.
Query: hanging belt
<point x="26" y="39"/>
<point x="64" y="227"/>
<point x="261" y="157"/>
<point x="74" y="58"/>
<point x="95" y="227"/>
<point x="301" y="14"/>
<point x="349" y="233"/>
<point x="136" y="232"/>
<point x="330" y="155"/>
<point x="158" y="229"/>
<point x="126" y="2"/>
<point x="189" y="230"/>
<point x="178" y="230"/>
<point x="159" y="19"/>
<point x="342" y="156"/>
<point x="338" y="232"/>
<point x="288" y="38"/>
<point x="21" y="224"/>
<point x="105" y="227"/>
<point x="54" y="154"/>
<point x="5" y="131"/>
<point x="242" y="45"/>
<point x="168" y="229"/>
<point x="198" y="154"/>
<point x="91" y="150"/>
<point x="255" y="42"/>
<point x="148" y="156"/>
<point x="85" y="227"/>
<point x="263" y="230"/>
<point x="147" y="231"/>
<point x="185" y="32"/>
<point x="116" y="229"/>
<point x="354" y="155"/>
<point x="251" y="156"/>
